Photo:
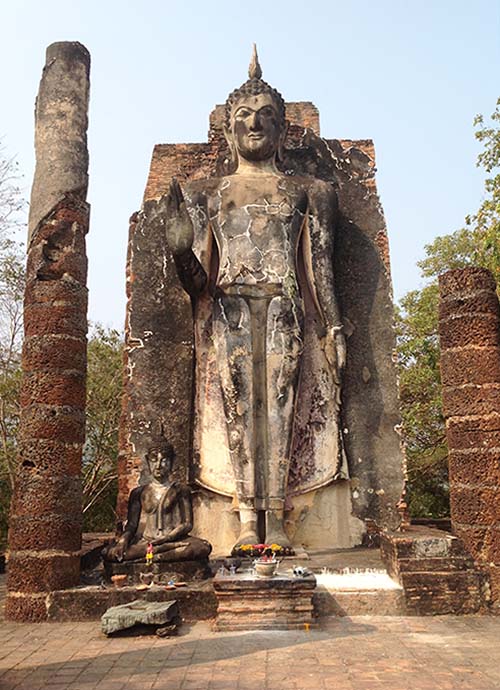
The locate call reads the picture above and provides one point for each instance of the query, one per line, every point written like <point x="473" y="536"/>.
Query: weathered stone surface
<point x="138" y="612"/>
<point x="475" y="505"/>
<point x="32" y="573"/>
<point x="476" y="399"/>
<point x="482" y="301"/>
<point x="479" y="432"/>
<point x="478" y="365"/>
<point x="158" y="357"/>
<point x="26" y="608"/>
<point x="58" y="422"/>
<point x="58" y="457"/>
<point x="476" y="466"/>
<point x="66" y="389"/>
<point x="45" y="523"/>
<point x="465" y="283"/>
<point x="469" y="330"/>
<point x="478" y="329"/>
<point x="52" y="495"/>
<point x="61" y="130"/>
<point x="46" y="532"/>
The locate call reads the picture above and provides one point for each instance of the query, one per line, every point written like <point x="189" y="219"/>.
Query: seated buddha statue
<point x="159" y="518"/>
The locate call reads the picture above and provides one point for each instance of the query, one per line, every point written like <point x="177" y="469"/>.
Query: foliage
<point x="478" y="243"/>
<point x="12" y="208"/>
<point x="104" y="381"/>
<point x="420" y="391"/>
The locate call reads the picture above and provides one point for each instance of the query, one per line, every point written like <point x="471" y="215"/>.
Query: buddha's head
<point x="160" y="460"/>
<point x="255" y="126"/>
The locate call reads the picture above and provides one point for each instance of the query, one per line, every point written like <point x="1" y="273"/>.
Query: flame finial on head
<point x="255" y="70"/>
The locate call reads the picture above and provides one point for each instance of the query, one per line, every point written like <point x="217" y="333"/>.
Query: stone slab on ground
<point x="248" y="602"/>
<point x="138" y="612"/>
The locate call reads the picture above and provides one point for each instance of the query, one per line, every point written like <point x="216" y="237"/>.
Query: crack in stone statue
<point x="160" y="513"/>
<point x="268" y="238"/>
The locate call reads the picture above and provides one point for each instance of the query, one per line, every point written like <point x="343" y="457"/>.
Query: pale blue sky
<point x="410" y="75"/>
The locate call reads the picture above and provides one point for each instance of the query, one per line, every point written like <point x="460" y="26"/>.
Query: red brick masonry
<point x="45" y="524"/>
<point x="469" y="328"/>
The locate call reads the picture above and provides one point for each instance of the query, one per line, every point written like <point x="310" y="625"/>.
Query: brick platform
<point x="437" y="574"/>
<point x="246" y="602"/>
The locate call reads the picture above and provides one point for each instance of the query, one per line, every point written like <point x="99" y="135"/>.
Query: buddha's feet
<point x="246" y="537"/>
<point x="278" y="536"/>
<point x="275" y="531"/>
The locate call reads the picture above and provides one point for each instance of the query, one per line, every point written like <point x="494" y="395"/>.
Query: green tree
<point x="420" y="392"/>
<point x="478" y="243"/>
<point x="104" y="384"/>
<point x="12" y="207"/>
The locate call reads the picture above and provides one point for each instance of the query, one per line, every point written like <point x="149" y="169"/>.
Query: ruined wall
<point x="370" y="402"/>
<point x="45" y="523"/>
<point x="469" y="329"/>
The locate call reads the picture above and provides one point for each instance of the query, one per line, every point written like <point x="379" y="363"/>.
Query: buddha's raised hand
<point x="179" y="227"/>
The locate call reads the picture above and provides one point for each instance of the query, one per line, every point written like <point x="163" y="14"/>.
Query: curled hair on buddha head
<point x="254" y="86"/>
<point x="161" y="443"/>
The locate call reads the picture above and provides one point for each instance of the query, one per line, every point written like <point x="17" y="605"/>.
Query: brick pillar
<point x="45" y="524"/>
<point x="469" y="327"/>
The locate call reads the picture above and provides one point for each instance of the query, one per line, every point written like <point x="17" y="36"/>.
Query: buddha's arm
<point x="191" y="273"/>
<point x="133" y="517"/>
<point x="181" y="233"/>
<point x="133" y="512"/>
<point x="317" y="243"/>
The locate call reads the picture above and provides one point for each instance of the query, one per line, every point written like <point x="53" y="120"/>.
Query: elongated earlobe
<point x="281" y="144"/>
<point x="232" y="164"/>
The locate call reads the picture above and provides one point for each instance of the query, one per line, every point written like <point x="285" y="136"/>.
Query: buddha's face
<point x="256" y="127"/>
<point x="160" y="463"/>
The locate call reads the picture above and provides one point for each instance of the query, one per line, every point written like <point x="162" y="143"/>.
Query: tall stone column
<point x="469" y="328"/>
<point x="45" y="524"/>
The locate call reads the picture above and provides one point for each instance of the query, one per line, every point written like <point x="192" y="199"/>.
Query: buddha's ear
<point x="233" y="154"/>
<point x="282" y="139"/>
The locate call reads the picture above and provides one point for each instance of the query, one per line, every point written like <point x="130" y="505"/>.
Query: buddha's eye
<point x="242" y="113"/>
<point x="267" y="111"/>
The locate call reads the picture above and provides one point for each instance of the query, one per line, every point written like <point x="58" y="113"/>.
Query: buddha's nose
<point x="255" y="122"/>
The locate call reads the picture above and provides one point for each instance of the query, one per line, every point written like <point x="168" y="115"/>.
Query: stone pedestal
<point x="246" y="602"/>
<point x="469" y="331"/>
<point x="436" y="572"/>
<point x="162" y="572"/>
